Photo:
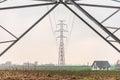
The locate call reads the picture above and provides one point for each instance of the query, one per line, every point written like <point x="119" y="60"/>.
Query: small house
<point x="100" y="65"/>
<point x="117" y="65"/>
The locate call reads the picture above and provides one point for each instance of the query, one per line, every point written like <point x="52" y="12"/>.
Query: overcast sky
<point x="83" y="46"/>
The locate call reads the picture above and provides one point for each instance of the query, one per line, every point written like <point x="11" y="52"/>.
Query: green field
<point x="74" y="68"/>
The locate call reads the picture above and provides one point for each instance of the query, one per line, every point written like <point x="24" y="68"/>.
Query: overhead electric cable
<point x="54" y="17"/>
<point x="51" y="25"/>
<point x="50" y="20"/>
<point x="72" y="25"/>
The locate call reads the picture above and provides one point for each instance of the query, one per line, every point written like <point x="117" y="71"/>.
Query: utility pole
<point x="61" y="57"/>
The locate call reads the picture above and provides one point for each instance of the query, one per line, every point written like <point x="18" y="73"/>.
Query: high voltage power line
<point x="106" y="29"/>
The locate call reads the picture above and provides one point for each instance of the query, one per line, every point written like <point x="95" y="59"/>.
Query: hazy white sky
<point x="82" y="47"/>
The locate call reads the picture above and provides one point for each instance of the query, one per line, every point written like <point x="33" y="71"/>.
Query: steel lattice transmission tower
<point x="112" y="39"/>
<point x="61" y="57"/>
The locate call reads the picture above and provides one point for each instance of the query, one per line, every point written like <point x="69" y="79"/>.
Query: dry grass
<point x="59" y="75"/>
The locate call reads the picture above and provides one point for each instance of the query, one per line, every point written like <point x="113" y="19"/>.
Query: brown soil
<point x="38" y="75"/>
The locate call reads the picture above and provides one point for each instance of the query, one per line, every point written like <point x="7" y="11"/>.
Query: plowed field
<point x="59" y="75"/>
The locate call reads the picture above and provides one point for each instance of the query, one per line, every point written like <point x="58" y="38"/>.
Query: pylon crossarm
<point x="92" y="28"/>
<point x="94" y="5"/>
<point x="30" y="28"/>
<point x="7" y="41"/>
<point x="95" y="21"/>
<point x="27" y="6"/>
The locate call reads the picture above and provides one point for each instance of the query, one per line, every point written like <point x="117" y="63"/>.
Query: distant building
<point x="117" y="65"/>
<point x="100" y="65"/>
<point x="8" y="63"/>
<point x="35" y="63"/>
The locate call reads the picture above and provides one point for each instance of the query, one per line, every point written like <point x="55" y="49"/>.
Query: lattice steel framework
<point x="79" y="6"/>
<point x="61" y="57"/>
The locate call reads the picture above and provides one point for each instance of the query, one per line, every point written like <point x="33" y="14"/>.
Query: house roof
<point x="101" y="64"/>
